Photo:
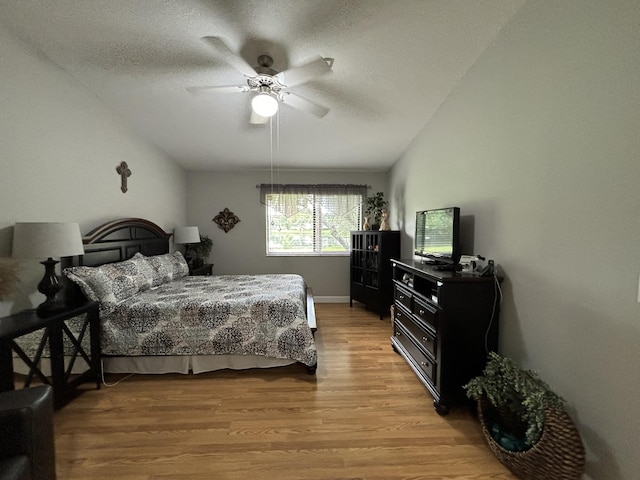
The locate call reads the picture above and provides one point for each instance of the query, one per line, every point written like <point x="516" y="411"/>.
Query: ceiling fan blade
<point x="257" y="119"/>
<point x="220" y="89"/>
<point x="301" y="103"/>
<point x="299" y="75"/>
<point x="230" y="56"/>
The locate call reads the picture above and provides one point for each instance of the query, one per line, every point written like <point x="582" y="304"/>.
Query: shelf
<point x="370" y="268"/>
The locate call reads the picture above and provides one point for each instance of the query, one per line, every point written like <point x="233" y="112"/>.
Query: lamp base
<point x="49" y="286"/>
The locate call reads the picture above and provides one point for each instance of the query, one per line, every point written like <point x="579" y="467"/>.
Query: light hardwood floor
<point x="364" y="415"/>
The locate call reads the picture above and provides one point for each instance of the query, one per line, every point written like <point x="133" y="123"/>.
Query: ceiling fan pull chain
<point x="271" y="150"/>
<point x="271" y="157"/>
<point x="278" y="145"/>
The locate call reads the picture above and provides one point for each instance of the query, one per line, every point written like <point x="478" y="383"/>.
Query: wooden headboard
<point x="122" y="239"/>
<point x="116" y="241"/>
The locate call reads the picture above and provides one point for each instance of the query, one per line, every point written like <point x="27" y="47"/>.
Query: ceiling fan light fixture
<point x="264" y="104"/>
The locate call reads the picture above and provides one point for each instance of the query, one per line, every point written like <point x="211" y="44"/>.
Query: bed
<point x="155" y="318"/>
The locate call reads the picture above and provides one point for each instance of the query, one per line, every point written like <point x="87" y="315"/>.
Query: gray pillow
<point x="111" y="283"/>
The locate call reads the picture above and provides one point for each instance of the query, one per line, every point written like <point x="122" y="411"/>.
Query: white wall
<point x="59" y="148"/>
<point x="539" y="145"/>
<point x="243" y="249"/>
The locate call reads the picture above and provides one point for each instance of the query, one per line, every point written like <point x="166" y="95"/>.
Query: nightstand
<point x="55" y="329"/>
<point x="204" y="270"/>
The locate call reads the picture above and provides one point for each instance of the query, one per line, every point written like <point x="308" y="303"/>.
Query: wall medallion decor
<point x="124" y="172"/>
<point x="226" y="220"/>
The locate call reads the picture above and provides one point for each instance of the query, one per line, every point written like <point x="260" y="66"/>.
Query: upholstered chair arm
<point x="27" y="443"/>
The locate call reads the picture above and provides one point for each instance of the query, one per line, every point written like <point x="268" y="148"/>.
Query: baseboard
<point x="332" y="299"/>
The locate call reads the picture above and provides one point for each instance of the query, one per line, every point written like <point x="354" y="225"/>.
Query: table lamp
<point x="186" y="236"/>
<point x="47" y="240"/>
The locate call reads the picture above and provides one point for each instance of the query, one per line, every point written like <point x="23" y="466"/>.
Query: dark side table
<point x="55" y="328"/>
<point x="204" y="270"/>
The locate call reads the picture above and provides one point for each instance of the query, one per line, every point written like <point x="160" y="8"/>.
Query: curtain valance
<point x="318" y="189"/>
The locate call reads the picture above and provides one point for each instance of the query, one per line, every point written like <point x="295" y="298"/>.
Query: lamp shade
<point x="46" y="240"/>
<point x="186" y="235"/>
<point x="264" y="105"/>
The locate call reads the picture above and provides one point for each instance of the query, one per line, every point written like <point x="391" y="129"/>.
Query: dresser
<point x="444" y="324"/>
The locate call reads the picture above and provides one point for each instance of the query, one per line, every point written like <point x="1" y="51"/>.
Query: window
<point x="311" y="219"/>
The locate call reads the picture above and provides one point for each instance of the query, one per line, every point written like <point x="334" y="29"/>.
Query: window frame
<point x="316" y="212"/>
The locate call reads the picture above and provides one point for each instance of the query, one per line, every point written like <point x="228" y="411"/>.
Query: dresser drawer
<point x="425" y="312"/>
<point x="424" y="363"/>
<point x="402" y="296"/>
<point x="423" y="337"/>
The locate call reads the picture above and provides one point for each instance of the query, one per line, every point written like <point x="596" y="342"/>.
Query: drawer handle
<point x="424" y="364"/>
<point x="426" y="339"/>
<point x="401" y="297"/>
<point x="397" y="334"/>
<point x="422" y="312"/>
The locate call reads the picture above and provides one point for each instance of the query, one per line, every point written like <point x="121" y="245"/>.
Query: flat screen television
<point x="437" y="237"/>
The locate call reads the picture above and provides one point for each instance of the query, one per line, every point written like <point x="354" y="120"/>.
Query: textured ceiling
<point x="395" y="62"/>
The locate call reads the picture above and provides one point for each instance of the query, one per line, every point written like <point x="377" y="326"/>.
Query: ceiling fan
<point x="272" y="87"/>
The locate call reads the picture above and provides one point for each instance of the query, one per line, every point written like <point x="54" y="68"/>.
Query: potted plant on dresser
<point x="524" y="422"/>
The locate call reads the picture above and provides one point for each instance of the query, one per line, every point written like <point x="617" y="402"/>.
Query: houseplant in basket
<point x="524" y="422"/>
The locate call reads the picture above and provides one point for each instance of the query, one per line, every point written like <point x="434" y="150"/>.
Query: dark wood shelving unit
<point x="370" y="268"/>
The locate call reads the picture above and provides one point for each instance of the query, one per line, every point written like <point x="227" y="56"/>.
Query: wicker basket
<point x="558" y="455"/>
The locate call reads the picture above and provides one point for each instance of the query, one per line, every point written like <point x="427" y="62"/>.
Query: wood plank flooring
<point x="364" y="415"/>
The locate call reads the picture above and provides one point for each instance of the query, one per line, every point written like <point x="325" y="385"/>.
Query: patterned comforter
<point x="228" y="314"/>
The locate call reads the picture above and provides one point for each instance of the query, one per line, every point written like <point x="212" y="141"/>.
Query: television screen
<point x="437" y="234"/>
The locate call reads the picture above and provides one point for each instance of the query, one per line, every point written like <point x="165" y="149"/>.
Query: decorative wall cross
<point x="124" y="172"/>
